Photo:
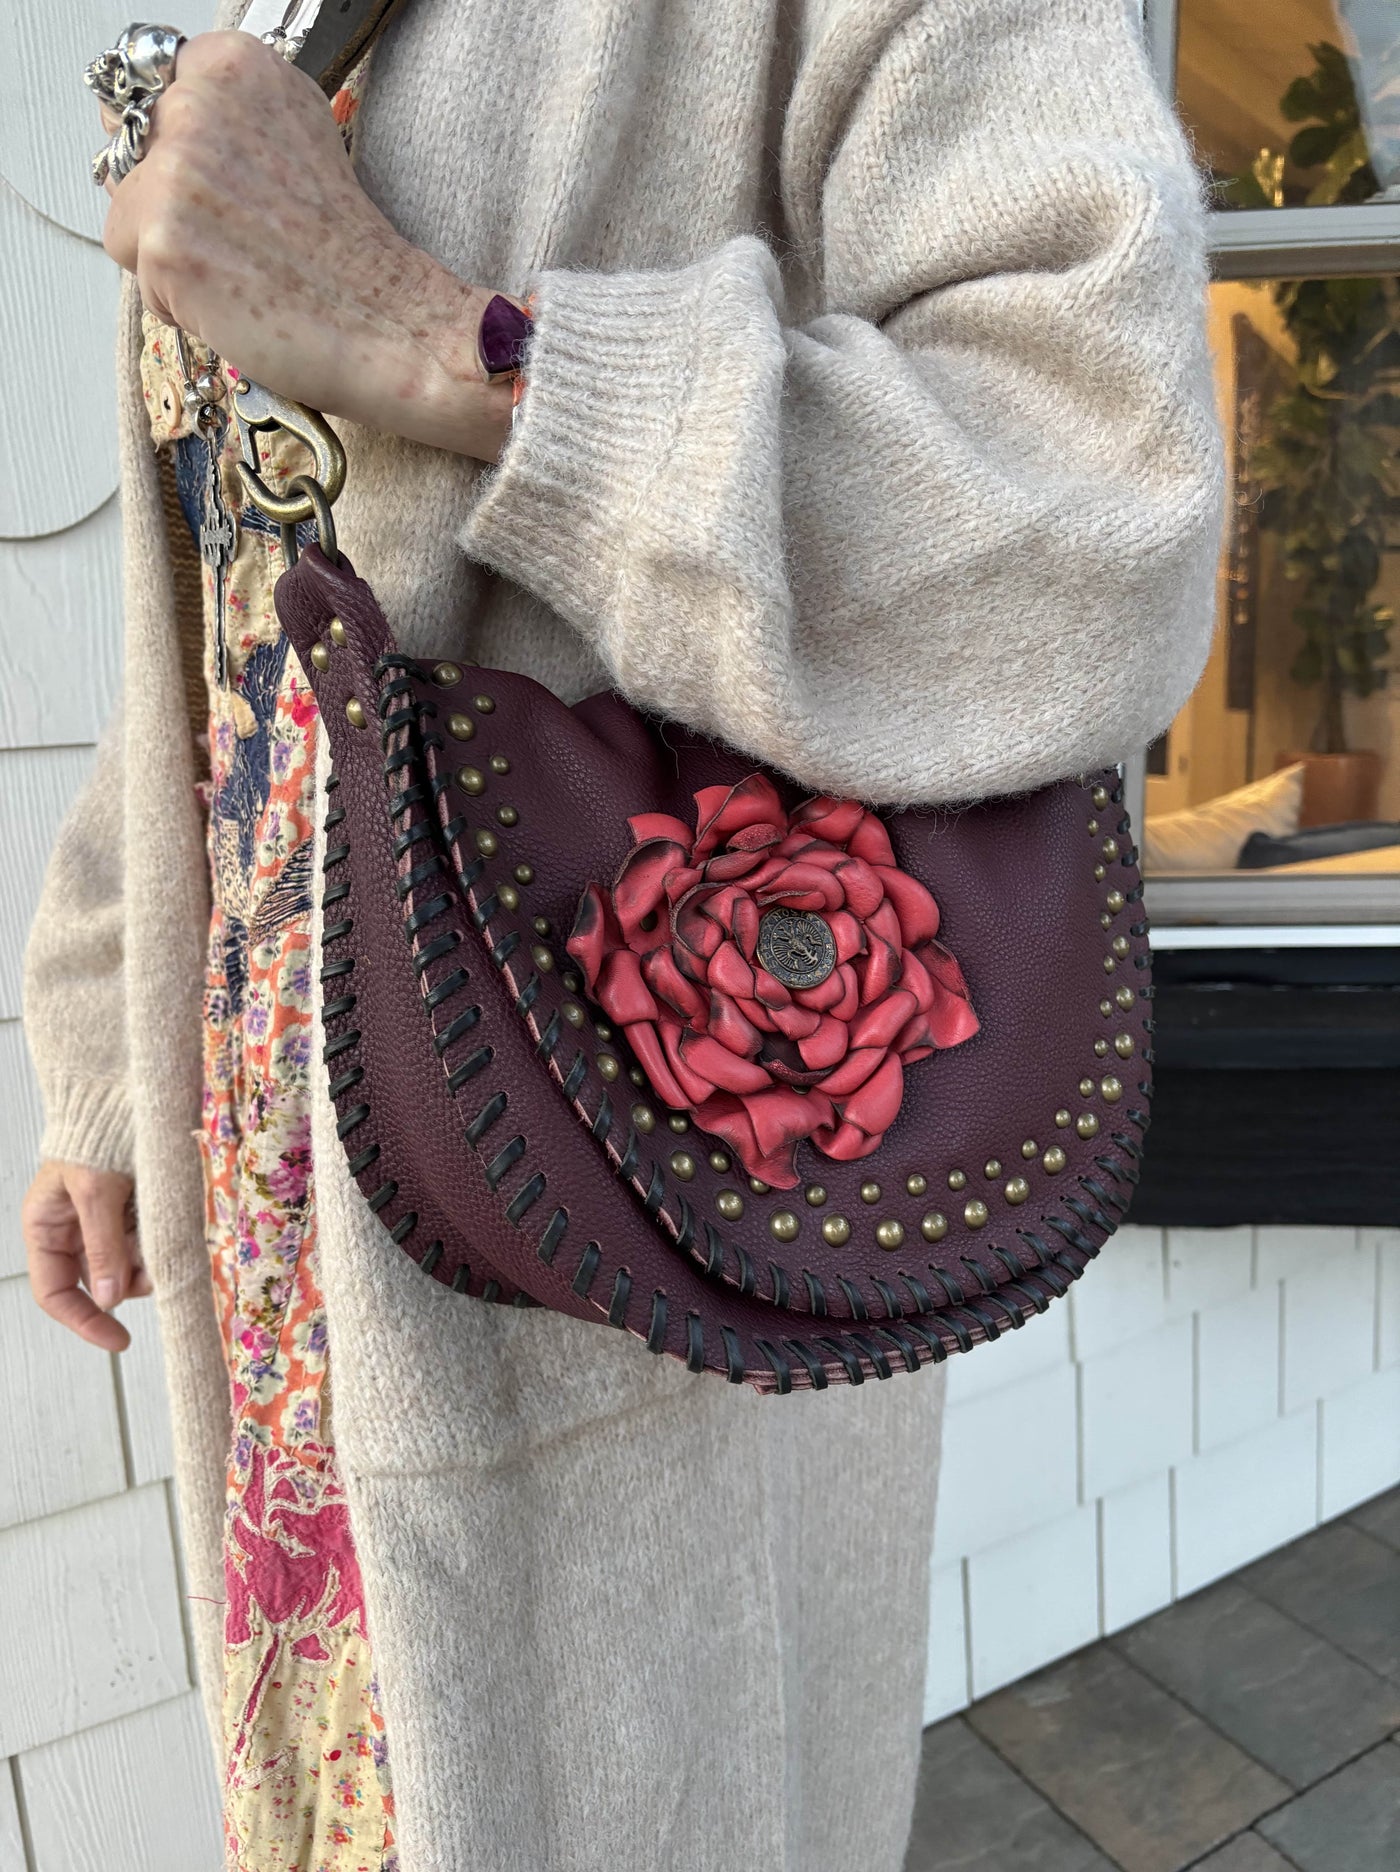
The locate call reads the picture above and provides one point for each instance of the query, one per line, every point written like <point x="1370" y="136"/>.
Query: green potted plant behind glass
<point x="1328" y="463"/>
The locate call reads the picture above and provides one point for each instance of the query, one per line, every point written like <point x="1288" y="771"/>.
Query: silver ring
<point x="128" y="78"/>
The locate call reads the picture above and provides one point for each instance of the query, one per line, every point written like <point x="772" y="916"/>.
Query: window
<point x="1292" y="103"/>
<point x="1275" y="795"/>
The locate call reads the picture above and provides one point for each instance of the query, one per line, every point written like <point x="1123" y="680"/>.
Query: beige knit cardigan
<point x="869" y="426"/>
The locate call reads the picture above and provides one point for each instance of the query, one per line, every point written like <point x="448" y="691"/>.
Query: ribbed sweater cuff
<point x="610" y="372"/>
<point x="88" y="1122"/>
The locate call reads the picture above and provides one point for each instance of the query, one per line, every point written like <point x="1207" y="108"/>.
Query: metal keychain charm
<point x="203" y="393"/>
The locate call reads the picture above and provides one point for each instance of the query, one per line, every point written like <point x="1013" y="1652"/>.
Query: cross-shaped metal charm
<point x="218" y="535"/>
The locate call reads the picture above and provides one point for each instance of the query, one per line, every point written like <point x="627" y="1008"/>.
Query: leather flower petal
<point x="722" y="811"/>
<point x="641" y="883"/>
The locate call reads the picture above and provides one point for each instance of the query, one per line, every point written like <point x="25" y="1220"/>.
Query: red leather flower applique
<point x="774" y="973"/>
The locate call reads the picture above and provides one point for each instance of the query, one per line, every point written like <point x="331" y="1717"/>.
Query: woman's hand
<point x="80" y="1232"/>
<point x="246" y="225"/>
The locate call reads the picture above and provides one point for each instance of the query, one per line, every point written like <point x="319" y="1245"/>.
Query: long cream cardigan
<point x="870" y="426"/>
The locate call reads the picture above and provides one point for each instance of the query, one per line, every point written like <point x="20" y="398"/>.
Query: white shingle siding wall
<point x="104" y="1766"/>
<point x="1178" y="1417"/>
<point x="1204" y="1396"/>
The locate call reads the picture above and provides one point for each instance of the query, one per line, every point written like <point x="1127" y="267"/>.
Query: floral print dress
<point x="306" y="1784"/>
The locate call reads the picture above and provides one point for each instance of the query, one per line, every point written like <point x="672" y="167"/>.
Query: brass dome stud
<point x="483" y="704"/>
<point x="730" y="1205"/>
<point x="1115" y="901"/>
<point x="678" y="1122"/>
<point x="608" y="1067"/>
<point x="916" y="1184"/>
<point x="1100" y="797"/>
<point x="355" y="713"/>
<point x="446" y="675"/>
<point x="1100" y="1047"/>
<point x="335" y="630"/>
<point x="836" y="1231"/>
<point x="508" y="815"/>
<point x="524" y="874"/>
<point x="1126" y="999"/>
<point x="636" y="1075"/>
<point x="992" y="1169"/>
<point x="574" y="1014"/>
<point x="1093" y="828"/>
<point x="870" y="1192"/>
<point x="1054" y="1160"/>
<point x="783" y="1225"/>
<point x="461" y="727"/>
<point x="541" y="958"/>
<point x="1123" y="1045"/>
<point x="471" y="780"/>
<point x="719" y="1162"/>
<point x="499" y="764"/>
<point x="1120" y="947"/>
<point x="1086" y="1088"/>
<point x="509" y="896"/>
<point x="320" y="657"/>
<point x="934" y="1226"/>
<point x="644" y="1118"/>
<point x="1112" y="1088"/>
<point x="890" y="1234"/>
<point x="815" y="1195"/>
<point x="1063" y="1118"/>
<point x="1100" y="873"/>
<point x="1017" y="1190"/>
<point x="1105" y="1008"/>
<point x="1087" y="1125"/>
<point x="957" y="1179"/>
<point x="758" y="1186"/>
<point x="975" y="1213"/>
<point x="1029" y="1148"/>
<point x="1109" y="848"/>
<point x="682" y="1165"/>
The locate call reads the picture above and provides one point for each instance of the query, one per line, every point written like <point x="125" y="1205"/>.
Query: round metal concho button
<point x="797" y="946"/>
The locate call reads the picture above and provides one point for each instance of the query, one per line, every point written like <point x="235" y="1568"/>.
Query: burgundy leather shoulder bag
<point x="618" y="1022"/>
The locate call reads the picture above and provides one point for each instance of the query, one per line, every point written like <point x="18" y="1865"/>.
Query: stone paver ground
<point x="1254" y="1727"/>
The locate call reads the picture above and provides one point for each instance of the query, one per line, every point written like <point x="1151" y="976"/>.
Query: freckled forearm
<point x="424" y="380"/>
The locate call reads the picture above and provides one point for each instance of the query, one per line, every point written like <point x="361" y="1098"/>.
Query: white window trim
<point x="1269" y="243"/>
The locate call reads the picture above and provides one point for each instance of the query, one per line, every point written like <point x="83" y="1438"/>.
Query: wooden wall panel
<point x="12" y="1857"/>
<point x="58" y="1400"/>
<point x="58" y="440"/>
<point x="60" y="632"/>
<point x="137" y="1795"/>
<point x="36" y="788"/>
<point x="92" y="1619"/>
<point x="20" y="1125"/>
<point x="141" y="1376"/>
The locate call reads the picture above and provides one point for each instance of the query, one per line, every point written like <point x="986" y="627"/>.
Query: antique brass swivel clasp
<point x="307" y="496"/>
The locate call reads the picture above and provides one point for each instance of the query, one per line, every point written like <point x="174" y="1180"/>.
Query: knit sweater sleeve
<point x="74" y="996"/>
<point x="953" y="534"/>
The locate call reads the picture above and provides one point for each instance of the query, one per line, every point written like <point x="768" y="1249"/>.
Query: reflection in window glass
<point x="1293" y="102"/>
<point x="1288" y="754"/>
